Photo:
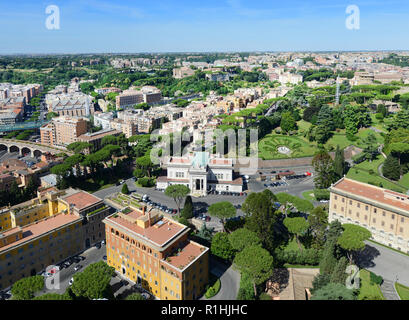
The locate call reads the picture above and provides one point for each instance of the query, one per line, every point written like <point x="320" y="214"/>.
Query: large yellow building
<point x="383" y="212"/>
<point x="155" y="252"/>
<point x="47" y="230"/>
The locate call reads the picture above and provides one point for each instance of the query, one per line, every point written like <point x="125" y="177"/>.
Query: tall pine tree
<point x="339" y="275"/>
<point x="339" y="163"/>
<point x="391" y="168"/>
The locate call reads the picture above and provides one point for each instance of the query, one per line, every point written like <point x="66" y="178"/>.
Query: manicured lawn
<point x="338" y="139"/>
<point x="299" y="146"/>
<point x="405" y="181"/>
<point x="366" y="165"/>
<point x="367" y="289"/>
<point x="309" y="195"/>
<point x="403" y="291"/>
<point x="303" y="125"/>
<point x="363" y="133"/>
<point x="377" y="124"/>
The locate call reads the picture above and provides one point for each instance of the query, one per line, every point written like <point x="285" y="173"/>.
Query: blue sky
<point x="88" y="26"/>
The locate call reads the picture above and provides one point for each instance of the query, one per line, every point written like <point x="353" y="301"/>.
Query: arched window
<point x="112" y="230"/>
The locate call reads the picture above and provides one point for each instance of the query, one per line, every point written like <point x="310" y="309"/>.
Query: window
<point x="402" y="219"/>
<point x="358" y="205"/>
<point x="391" y="226"/>
<point x="374" y="210"/>
<point x="393" y="217"/>
<point x="383" y="223"/>
<point x="357" y="214"/>
<point x="336" y="197"/>
<point x="366" y="208"/>
<point x="374" y="220"/>
<point x="343" y="200"/>
<point x="400" y="230"/>
<point x="350" y="202"/>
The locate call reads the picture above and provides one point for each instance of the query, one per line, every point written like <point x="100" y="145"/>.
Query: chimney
<point x="149" y="218"/>
<point x="143" y="210"/>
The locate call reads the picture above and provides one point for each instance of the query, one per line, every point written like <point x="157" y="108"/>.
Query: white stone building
<point x="202" y="173"/>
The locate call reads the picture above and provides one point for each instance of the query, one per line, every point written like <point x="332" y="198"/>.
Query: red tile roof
<point x="188" y="253"/>
<point x="43" y="226"/>
<point x="82" y="199"/>
<point x="373" y="193"/>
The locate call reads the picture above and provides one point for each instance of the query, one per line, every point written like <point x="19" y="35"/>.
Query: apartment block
<point x="383" y="212"/>
<point x="155" y="252"/>
<point x="47" y="230"/>
<point x="63" y="130"/>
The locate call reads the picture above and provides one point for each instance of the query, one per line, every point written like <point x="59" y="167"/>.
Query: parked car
<point x="82" y="258"/>
<point x="77" y="267"/>
<point x="104" y="258"/>
<point x="71" y="281"/>
<point x="98" y="245"/>
<point x="103" y="242"/>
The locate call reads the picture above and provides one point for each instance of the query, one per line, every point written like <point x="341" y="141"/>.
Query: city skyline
<point x="103" y="27"/>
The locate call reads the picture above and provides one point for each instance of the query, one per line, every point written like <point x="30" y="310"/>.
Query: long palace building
<point x="383" y="212"/>
<point x="155" y="252"/>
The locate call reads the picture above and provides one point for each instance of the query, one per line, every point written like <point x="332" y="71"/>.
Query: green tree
<point x="320" y="281"/>
<point x="94" y="281"/>
<point x="257" y="263"/>
<point x="391" y="168"/>
<point x="125" y="189"/>
<point x="339" y="163"/>
<point x="177" y="192"/>
<point x="261" y="217"/>
<point x="135" y="296"/>
<point x="352" y="239"/>
<point x="318" y="222"/>
<point x="339" y="275"/>
<point x="187" y="210"/>
<point x="334" y="291"/>
<point x="222" y="210"/>
<point x="221" y="246"/>
<point x="328" y="260"/>
<point x="287" y="122"/>
<point x="296" y="226"/>
<point x="53" y="296"/>
<point x="25" y="288"/>
<point x="324" y="170"/>
<point x="242" y="238"/>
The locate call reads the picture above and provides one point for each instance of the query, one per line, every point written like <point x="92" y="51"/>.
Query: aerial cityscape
<point x="208" y="175"/>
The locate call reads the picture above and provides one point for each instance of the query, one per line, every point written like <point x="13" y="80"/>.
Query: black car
<point x="98" y="245"/>
<point x="81" y="257"/>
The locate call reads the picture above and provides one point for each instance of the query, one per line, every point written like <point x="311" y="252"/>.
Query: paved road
<point x="389" y="264"/>
<point x="91" y="255"/>
<point x="229" y="278"/>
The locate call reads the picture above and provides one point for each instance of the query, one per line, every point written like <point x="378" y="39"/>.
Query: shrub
<point x="264" y="296"/>
<point x="146" y="182"/>
<point x="321" y="194"/>
<point x="213" y="290"/>
<point x="305" y="257"/>
<point x="375" y="279"/>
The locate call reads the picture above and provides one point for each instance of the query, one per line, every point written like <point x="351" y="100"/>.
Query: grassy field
<point x="366" y="165"/>
<point x="364" y="176"/>
<point x="309" y="195"/>
<point x="403" y="291"/>
<point x="378" y="125"/>
<point x="367" y="289"/>
<point x="405" y="181"/>
<point x="300" y="147"/>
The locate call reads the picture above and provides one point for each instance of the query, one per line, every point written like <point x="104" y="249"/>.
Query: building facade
<point x="383" y="212"/>
<point x="202" y="173"/>
<point x="47" y="230"/>
<point x="155" y="252"/>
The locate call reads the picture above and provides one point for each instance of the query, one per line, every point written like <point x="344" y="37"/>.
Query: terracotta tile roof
<point x="43" y="226"/>
<point x="159" y="233"/>
<point x="373" y="193"/>
<point x="82" y="199"/>
<point x="188" y="253"/>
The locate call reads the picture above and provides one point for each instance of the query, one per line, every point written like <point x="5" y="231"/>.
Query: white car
<point x="103" y="242"/>
<point x="71" y="281"/>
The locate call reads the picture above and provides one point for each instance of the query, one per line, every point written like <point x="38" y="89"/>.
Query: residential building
<point x="383" y="212"/>
<point x="95" y="138"/>
<point x="63" y="131"/>
<point x="47" y="230"/>
<point x="155" y="252"/>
